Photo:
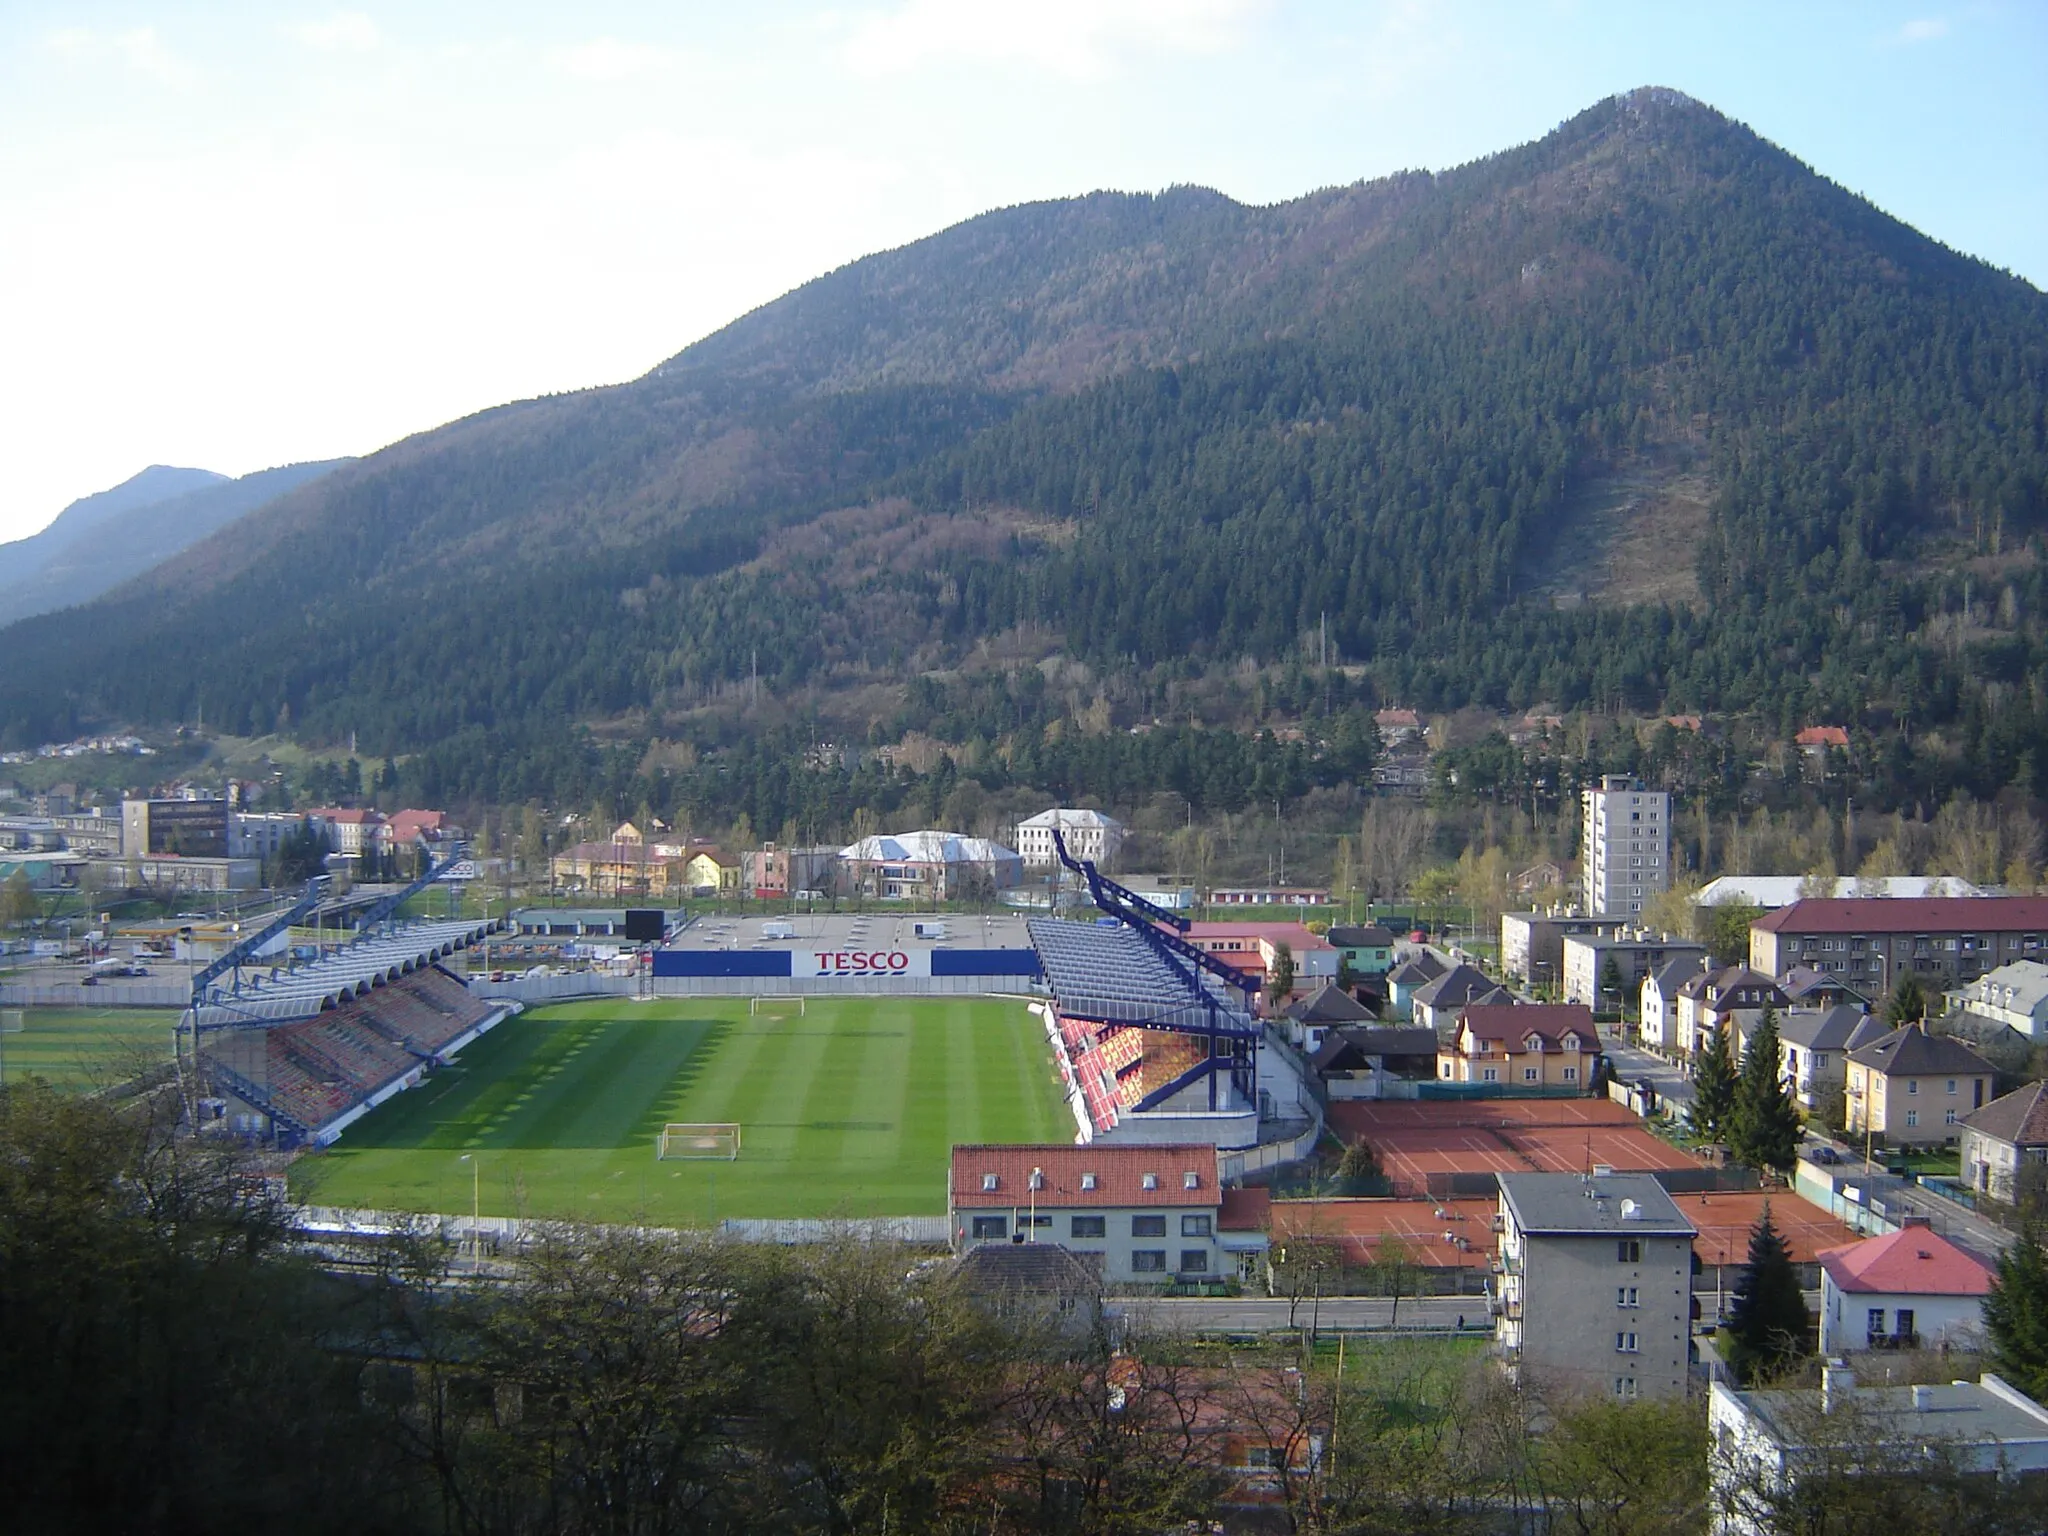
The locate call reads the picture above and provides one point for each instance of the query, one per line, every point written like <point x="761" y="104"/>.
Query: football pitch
<point x="849" y="1110"/>
<point x="80" y="1049"/>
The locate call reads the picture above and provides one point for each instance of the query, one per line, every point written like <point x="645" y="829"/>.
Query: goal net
<point x="716" y="1140"/>
<point x="777" y="1007"/>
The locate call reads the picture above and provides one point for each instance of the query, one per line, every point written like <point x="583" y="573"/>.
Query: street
<point x="1632" y="1064"/>
<point x="1269" y="1314"/>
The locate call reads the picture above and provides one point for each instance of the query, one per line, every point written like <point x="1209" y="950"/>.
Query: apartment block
<point x="1625" y="846"/>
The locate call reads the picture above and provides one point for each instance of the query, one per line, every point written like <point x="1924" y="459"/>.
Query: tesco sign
<point x="861" y="962"/>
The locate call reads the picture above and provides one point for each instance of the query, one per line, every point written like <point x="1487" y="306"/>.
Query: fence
<point x="105" y="995"/>
<point x="549" y="989"/>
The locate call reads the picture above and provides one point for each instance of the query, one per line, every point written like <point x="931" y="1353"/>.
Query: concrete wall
<point x="1570" y="1291"/>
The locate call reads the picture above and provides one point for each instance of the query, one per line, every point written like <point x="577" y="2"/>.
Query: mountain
<point x="1644" y="414"/>
<point x="23" y="558"/>
<point x="101" y="541"/>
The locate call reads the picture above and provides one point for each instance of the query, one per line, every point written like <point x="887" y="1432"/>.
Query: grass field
<point x="80" y="1049"/>
<point x="849" y="1110"/>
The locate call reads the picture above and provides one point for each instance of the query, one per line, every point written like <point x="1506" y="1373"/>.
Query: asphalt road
<point x="1632" y="1062"/>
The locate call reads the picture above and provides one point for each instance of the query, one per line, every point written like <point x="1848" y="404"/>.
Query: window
<point x="1625" y="1296"/>
<point x="1090" y="1226"/>
<point x="1571" y="1074"/>
<point x="1148" y="1261"/>
<point x="1194" y="1261"/>
<point x="1873" y="1322"/>
<point x="1951" y="1085"/>
<point x="1628" y="1250"/>
<point x="1912" y="1085"/>
<point x="988" y="1183"/>
<point x="1903" y="1322"/>
<point x="1490" y="1075"/>
<point x="1912" y="1118"/>
<point x="1194" y="1226"/>
<point x="1150" y="1181"/>
<point x="1528" y="1074"/>
<point x="1262" y="1458"/>
<point x="1193" y="1180"/>
<point x="1148" y="1226"/>
<point x="1952" y="1118"/>
<point x="996" y="1227"/>
<point x="1087" y="1181"/>
<point x="1820" y="1061"/>
<point x="1624" y="1386"/>
<point x="1625" y="1343"/>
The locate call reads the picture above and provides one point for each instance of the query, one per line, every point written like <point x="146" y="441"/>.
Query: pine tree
<point x="1763" y="1123"/>
<point x="1713" y="1086"/>
<point x="2016" y="1315"/>
<point x="1907" y="1004"/>
<point x="1766" y="1325"/>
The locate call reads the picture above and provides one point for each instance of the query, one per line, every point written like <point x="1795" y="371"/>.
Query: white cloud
<point x="1925" y="30"/>
<point x="343" y="32"/>
<point x="1073" y="39"/>
<point x="608" y="59"/>
<point x="139" y="48"/>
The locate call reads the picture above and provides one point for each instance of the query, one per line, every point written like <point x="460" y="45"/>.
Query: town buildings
<point x="1733" y="996"/>
<point x="1438" y="1003"/>
<point x="1873" y="941"/>
<point x="1908" y="1289"/>
<point x="1548" y="1045"/>
<point x="1532" y="943"/>
<point x="1635" y="953"/>
<point x="929" y="866"/>
<point x="2015" y="996"/>
<point x="1773" y="891"/>
<point x="1814" y="1046"/>
<point x="1367" y="950"/>
<point x="1913" y="1088"/>
<point x="1138" y="1214"/>
<point x="1595" y="1282"/>
<point x="1625" y="846"/>
<point x="1658" y="1017"/>
<point x="1088" y="835"/>
<point x="2002" y="1138"/>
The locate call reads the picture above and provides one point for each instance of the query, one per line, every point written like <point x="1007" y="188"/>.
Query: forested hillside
<point x="1163" y="435"/>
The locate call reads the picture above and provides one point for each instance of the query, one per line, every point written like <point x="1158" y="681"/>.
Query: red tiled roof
<point x="1822" y="736"/>
<point x="1915" y="1261"/>
<point x="1513" y="1023"/>
<point x="1297" y="937"/>
<point x="1908" y="914"/>
<point x="1119" y="1175"/>
<point x="1245" y="1210"/>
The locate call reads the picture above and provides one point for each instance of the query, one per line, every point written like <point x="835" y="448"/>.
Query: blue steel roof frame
<point x="1139" y="914"/>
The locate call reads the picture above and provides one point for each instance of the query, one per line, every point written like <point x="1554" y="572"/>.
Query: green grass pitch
<point x="849" y="1110"/>
<point x="80" y="1049"/>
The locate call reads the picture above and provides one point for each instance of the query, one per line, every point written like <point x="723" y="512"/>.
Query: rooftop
<point x="1914" y="1261"/>
<point x="1578" y="1205"/>
<point x="1912" y="1052"/>
<point x="927" y="847"/>
<point x="1984" y="1412"/>
<point x="2020" y="1117"/>
<point x="1783" y="890"/>
<point x="1549" y="1022"/>
<point x="1889" y="914"/>
<point x="1820" y="1029"/>
<point x="1090" y="1178"/>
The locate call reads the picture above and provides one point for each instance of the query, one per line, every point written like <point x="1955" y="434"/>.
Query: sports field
<point x="80" y="1049"/>
<point x="849" y="1110"/>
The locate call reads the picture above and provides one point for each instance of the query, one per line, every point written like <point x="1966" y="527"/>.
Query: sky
<point x="234" y="235"/>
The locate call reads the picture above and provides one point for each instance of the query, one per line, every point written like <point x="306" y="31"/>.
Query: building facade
<point x="929" y="866"/>
<point x="1139" y="1214"/>
<point x="1636" y="953"/>
<point x="1872" y="941"/>
<point x="1594" y="1282"/>
<point x="1088" y="835"/>
<point x="1532" y="943"/>
<point x="1914" y="1089"/>
<point x="1625" y="846"/>
<point x="1538" y="1045"/>
<point x="2004" y="1137"/>
<point x="1909" y="1289"/>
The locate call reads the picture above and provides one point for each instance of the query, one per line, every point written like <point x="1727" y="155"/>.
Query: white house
<point x="2002" y="1137"/>
<point x="1906" y="1289"/>
<point x="1088" y="835"/>
<point x="1659" y="997"/>
<point x="2015" y="995"/>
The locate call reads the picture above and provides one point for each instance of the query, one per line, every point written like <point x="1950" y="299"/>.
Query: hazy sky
<point x="238" y="235"/>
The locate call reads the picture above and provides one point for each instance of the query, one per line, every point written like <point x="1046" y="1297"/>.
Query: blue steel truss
<point x="314" y="893"/>
<point x="393" y="902"/>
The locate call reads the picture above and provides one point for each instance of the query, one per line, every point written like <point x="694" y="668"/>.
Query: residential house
<point x="1137" y="1214"/>
<point x="1548" y="1045"/>
<point x="1357" y="1061"/>
<point x="1595" y="1282"/>
<point x="1368" y="950"/>
<point x="1766" y="1440"/>
<point x="2015" y="995"/>
<point x="1914" y="1089"/>
<point x="930" y="866"/>
<point x="2002" y="1138"/>
<point x="1269" y="896"/>
<point x="1544" y="875"/>
<point x="1732" y="996"/>
<point x="1032" y="1282"/>
<point x="1410" y="976"/>
<point x="1874" y="941"/>
<point x="1635" y="952"/>
<point x="1311" y="1017"/>
<point x="1438" y="1003"/>
<point x="1254" y="947"/>
<point x="710" y="872"/>
<point x="772" y="873"/>
<point x="1658" y="1010"/>
<point x="1397" y="725"/>
<point x="625" y="865"/>
<point x="1814" y="1046"/>
<point x="1904" y="1290"/>
<point x="1805" y="987"/>
<point x="1088" y="835"/>
<point x="1816" y="741"/>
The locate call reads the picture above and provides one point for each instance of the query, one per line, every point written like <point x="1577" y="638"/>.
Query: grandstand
<point x="1147" y="1028"/>
<point x="350" y="972"/>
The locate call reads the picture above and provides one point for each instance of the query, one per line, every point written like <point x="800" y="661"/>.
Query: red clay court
<point x="1418" y="1138"/>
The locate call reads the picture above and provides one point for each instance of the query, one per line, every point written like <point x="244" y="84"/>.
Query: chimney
<point x="1836" y="1381"/>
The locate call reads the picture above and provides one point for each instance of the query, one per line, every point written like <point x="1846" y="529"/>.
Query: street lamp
<point x="476" y="1175"/>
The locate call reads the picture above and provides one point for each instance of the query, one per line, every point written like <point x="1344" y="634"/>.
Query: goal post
<point x="776" y="1007"/>
<point x="714" y="1139"/>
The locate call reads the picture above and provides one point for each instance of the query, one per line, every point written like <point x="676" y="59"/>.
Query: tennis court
<point x="1418" y="1139"/>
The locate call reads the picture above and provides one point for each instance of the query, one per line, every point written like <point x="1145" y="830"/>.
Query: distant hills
<point x="1644" y="414"/>
<point x="100" y="541"/>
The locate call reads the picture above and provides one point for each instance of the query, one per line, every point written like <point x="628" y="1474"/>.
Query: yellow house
<point x="1521" y="1045"/>
<point x="1914" y="1088"/>
<point x="710" y="870"/>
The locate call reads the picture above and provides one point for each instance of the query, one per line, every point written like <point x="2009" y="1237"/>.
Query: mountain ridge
<point x="1357" y="412"/>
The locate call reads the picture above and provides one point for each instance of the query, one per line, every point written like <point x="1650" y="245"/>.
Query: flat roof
<point x="873" y="929"/>
<point x="1982" y="1412"/>
<point x="1581" y="1205"/>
